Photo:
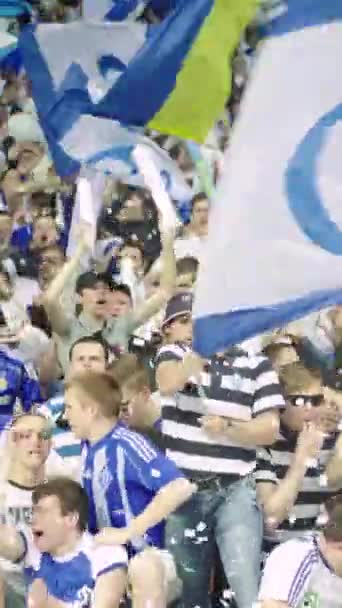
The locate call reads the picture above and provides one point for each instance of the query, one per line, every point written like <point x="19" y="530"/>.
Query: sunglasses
<point x="301" y="400"/>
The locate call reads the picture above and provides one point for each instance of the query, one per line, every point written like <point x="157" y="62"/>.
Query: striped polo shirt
<point x="272" y="466"/>
<point x="64" y="441"/>
<point x="234" y="385"/>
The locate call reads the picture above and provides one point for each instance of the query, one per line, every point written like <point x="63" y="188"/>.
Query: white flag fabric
<point x="88" y="205"/>
<point x="274" y="251"/>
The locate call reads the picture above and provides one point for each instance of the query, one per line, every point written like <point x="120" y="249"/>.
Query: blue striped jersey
<point x="71" y="579"/>
<point x="122" y="473"/>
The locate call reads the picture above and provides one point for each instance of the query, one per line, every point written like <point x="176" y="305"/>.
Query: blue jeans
<point x="225" y="515"/>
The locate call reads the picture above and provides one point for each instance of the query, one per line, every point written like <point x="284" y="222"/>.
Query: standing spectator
<point x="86" y="354"/>
<point x="132" y="487"/>
<point x="292" y="478"/>
<point x="214" y="413"/>
<point x="119" y="300"/>
<point x="62" y="562"/>
<point x="92" y="295"/>
<point x="307" y="572"/>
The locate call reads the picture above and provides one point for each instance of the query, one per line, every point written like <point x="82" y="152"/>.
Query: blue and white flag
<point x="274" y="250"/>
<point x="118" y="160"/>
<point x="80" y="134"/>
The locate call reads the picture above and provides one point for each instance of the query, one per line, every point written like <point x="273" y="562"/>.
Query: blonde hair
<point x="295" y="377"/>
<point x="102" y="389"/>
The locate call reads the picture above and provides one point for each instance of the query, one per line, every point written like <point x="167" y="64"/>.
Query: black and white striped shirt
<point x="235" y="385"/>
<point x="272" y="466"/>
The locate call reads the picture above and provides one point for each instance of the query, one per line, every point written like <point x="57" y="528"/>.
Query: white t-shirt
<point x="297" y="573"/>
<point x="15" y="510"/>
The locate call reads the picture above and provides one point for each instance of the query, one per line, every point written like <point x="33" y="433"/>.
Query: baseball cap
<point x="89" y="280"/>
<point x="179" y="305"/>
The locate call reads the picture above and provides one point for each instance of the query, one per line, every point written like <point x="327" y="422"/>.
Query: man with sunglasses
<point x="292" y="475"/>
<point x="313" y="574"/>
<point x="27" y="452"/>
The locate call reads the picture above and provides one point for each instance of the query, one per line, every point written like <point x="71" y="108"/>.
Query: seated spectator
<point x="142" y="487"/>
<point x="307" y="572"/>
<point x="62" y="563"/>
<point x="294" y="476"/>
<point x="25" y="464"/>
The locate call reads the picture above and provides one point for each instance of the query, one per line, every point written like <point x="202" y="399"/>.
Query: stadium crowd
<point x="133" y="471"/>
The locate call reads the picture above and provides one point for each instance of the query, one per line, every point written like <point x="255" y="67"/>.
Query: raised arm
<point x="278" y="499"/>
<point x="167" y="281"/>
<point x="51" y="298"/>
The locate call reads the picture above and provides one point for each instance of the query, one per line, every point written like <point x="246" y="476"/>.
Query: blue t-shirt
<point x="16" y="382"/>
<point x="121" y="474"/>
<point x="72" y="578"/>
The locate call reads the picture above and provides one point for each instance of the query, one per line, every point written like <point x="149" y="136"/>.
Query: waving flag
<point x="274" y="250"/>
<point x="14" y="8"/>
<point x="138" y="75"/>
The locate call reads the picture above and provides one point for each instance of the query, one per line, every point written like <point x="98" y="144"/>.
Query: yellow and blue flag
<point x="173" y="77"/>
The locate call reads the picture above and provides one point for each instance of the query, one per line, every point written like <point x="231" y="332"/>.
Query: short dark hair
<point x="186" y="265"/>
<point x="200" y="196"/>
<point x="72" y="498"/>
<point x="123" y="288"/>
<point x="91" y="340"/>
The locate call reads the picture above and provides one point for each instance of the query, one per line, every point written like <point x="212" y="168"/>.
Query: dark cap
<point x="89" y="280"/>
<point x="178" y="306"/>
